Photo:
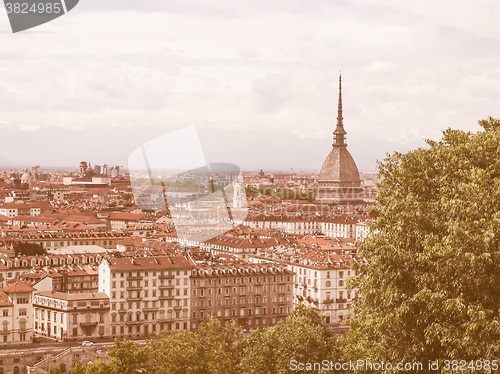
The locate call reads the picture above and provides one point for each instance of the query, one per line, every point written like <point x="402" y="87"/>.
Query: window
<point x="5" y="312"/>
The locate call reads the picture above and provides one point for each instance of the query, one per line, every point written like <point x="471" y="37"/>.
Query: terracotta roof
<point x="125" y="216"/>
<point x="4" y="299"/>
<point x="18" y="287"/>
<point x="149" y="263"/>
<point x="74" y="296"/>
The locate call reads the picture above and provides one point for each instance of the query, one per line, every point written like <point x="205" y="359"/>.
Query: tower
<point x="237" y="192"/>
<point x="339" y="181"/>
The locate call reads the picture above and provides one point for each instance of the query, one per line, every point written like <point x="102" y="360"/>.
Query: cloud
<point x="269" y="69"/>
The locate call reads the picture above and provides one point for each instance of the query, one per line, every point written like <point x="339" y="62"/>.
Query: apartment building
<point x="71" y="272"/>
<point x="320" y="279"/>
<point x="147" y="294"/>
<point x="25" y="209"/>
<point x="256" y="295"/>
<point x="16" y="313"/>
<point x="68" y="316"/>
<point x="60" y="240"/>
<point x="353" y="227"/>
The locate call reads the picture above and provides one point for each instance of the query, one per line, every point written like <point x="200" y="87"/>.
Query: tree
<point x="179" y="352"/>
<point x="302" y="337"/>
<point x="77" y="369"/>
<point x="28" y="249"/>
<point x="127" y="358"/>
<point x="222" y="346"/>
<point x="432" y="289"/>
<point x="213" y="349"/>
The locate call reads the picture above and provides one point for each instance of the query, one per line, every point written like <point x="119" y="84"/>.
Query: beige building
<point x="66" y="316"/>
<point x="16" y="313"/>
<point x="255" y="295"/>
<point x="147" y="294"/>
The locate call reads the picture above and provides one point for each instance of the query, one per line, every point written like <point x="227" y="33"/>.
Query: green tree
<point x="77" y="369"/>
<point x="302" y="337"/>
<point x="28" y="249"/>
<point x="213" y="349"/>
<point x="222" y="346"/>
<point x="179" y="352"/>
<point x="127" y="358"/>
<point x="432" y="289"/>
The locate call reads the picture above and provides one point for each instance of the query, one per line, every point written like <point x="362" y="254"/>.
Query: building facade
<point x="147" y="294"/>
<point x="255" y="295"/>
<point x="66" y="316"/>
<point x="16" y="313"/>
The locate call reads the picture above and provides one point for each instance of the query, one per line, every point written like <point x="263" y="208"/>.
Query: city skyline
<point x="258" y="80"/>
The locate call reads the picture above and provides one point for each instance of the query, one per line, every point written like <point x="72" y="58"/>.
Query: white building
<point x="67" y="316"/>
<point x="16" y="313"/>
<point x="320" y="280"/>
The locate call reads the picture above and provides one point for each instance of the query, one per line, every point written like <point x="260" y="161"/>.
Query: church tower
<point x="339" y="181"/>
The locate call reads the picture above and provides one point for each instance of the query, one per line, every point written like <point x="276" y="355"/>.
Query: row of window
<point x="145" y="304"/>
<point x="114" y="274"/>
<point x="146" y="283"/>
<point x="308" y="272"/>
<point x="243" y="290"/>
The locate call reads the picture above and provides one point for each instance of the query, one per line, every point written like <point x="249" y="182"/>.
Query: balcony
<point x="134" y="277"/>
<point x="134" y="298"/>
<point x="134" y="288"/>
<point x="328" y="301"/>
<point x="166" y="286"/>
<point x="88" y="323"/>
<point x="150" y="309"/>
<point x="340" y="301"/>
<point x="129" y="323"/>
<point x="165" y="297"/>
<point x="166" y="276"/>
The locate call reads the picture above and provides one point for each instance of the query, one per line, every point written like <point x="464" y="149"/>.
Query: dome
<point x="25" y="178"/>
<point x="339" y="180"/>
<point x="339" y="166"/>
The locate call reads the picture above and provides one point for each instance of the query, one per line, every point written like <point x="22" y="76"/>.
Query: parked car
<point x="87" y="342"/>
<point x="36" y="340"/>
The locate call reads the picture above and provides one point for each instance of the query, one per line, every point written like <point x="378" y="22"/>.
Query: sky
<point x="258" y="79"/>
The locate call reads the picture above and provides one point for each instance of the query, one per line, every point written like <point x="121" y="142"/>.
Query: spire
<point x="339" y="130"/>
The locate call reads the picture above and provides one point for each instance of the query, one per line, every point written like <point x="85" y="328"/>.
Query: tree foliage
<point x="432" y="289"/>
<point x="218" y="348"/>
<point x="28" y="249"/>
<point x="126" y="356"/>
<point x="302" y="337"/>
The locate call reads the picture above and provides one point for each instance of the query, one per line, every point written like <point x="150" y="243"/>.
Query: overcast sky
<point x="258" y="78"/>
